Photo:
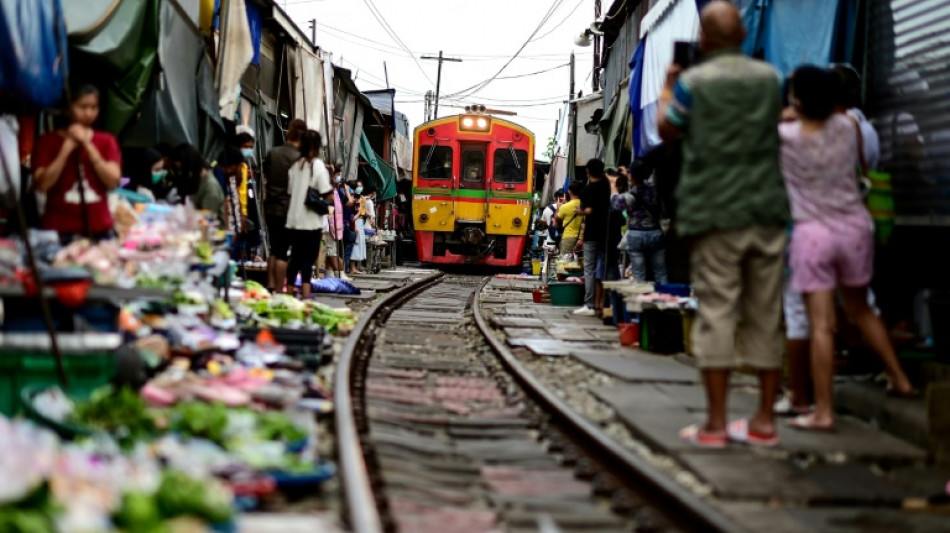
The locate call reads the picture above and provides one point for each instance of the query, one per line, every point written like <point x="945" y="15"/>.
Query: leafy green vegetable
<point x="330" y="318"/>
<point x="138" y="512"/>
<point x="204" y="251"/>
<point x="223" y="310"/>
<point x="121" y="413"/>
<point x="201" y="420"/>
<point x="251" y="284"/>
<point x="159" y="282"/>
<point x="35" y="513"/>
<point x="274" y="425"/>
<point x="181" y="495"/>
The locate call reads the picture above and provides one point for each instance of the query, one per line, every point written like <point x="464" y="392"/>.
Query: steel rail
<point x="361" y="506"/>
<point x="689" y="510"/>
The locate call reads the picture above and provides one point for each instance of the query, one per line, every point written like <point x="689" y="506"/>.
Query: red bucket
<point x="629" y="333"/>
<point x="537" y="295"/>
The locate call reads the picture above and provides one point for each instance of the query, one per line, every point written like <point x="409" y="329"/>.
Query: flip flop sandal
<point x="807" y="423"/>
<point x="738" y="431"/>
<point x="894" y="393"/>
<point x="699" y="438"/>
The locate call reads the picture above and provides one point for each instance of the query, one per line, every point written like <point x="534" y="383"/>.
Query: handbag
<point x="875" y="187"/>
<point x="314" y="201"/>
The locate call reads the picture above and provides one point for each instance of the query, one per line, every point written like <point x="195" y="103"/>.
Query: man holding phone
<point x="732" y="206"/>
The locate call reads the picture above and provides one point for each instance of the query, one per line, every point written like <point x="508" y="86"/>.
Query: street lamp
<point x="584" y="38"/>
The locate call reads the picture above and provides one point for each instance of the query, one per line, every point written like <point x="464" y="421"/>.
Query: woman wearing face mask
<point x="76" y="167"/>
<point x="359" y="247"/>
<point x="147" y="173"/>
<point x="350" y="206"/>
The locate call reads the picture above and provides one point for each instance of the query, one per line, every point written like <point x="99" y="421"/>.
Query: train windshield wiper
<point x="429" y="155"/>
<point x="514" y="156"/>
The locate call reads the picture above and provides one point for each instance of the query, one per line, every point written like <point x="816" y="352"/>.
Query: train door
<point x="509" y="192"/>
<point x="471" y="194"/>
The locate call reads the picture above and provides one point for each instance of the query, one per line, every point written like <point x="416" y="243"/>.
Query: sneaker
<point x="584" y="311"/>
<point x="344" y="277"/>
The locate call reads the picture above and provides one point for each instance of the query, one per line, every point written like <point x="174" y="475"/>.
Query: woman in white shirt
<point x="305" y="224"/>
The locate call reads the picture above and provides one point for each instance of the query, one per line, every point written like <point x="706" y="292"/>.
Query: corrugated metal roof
<point x="382" y="100"/>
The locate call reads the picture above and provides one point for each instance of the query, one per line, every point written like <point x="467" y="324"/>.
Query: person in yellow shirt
<point x="567" y="218"/>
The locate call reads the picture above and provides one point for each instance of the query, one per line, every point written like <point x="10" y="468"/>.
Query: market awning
<point x="383" y="175"/>
<point x="117" y="52"/>
<point x="615" y="127"/>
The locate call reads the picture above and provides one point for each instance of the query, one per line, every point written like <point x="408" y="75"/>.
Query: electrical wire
<point x="559" y="24"/>
<point x="479" y="86"/>
<point x="514" y="76"/>
<point x="394" y="50"/>
<point x="388" y="29"/>
<point x="382" y="80"/>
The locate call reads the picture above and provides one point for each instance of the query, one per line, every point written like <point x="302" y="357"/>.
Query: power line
<point x="478" y="87"/>
<point x="559" y="24"/>
<point x="514" y="76"/>
<point x="382" y="81"/>
<point x="392" y="33"/>
<point x="394" y="50"/>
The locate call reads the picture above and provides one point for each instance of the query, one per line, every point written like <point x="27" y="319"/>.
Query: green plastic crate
<point x="86" y="369"/>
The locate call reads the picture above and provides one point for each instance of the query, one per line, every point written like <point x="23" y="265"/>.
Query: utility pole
<point x="572" y="148"/>
<point x="597" y="40"/>
<point x="386" y="72"/>
<point x="313" y="32"/>
<point x="438" y="79"/>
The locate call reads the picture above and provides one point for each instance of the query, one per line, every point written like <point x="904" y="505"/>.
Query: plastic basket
<point x="661" y="331"/>
<point x="65" y="430"/>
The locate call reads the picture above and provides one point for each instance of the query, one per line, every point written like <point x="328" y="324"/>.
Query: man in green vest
<point x="732" y="206"/>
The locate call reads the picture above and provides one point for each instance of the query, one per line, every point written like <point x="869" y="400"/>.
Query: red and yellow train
<point x="472" y="184"/>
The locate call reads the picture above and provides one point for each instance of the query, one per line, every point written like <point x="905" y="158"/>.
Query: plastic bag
<point x="334" y="286"/>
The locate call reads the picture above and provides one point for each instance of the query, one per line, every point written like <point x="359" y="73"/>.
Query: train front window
<point x="435" y="162"/>
<point x="473" y="166"/>
<point x="511" y="165"/>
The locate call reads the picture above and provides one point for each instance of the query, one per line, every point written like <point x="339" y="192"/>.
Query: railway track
<point x="439" y="426"/>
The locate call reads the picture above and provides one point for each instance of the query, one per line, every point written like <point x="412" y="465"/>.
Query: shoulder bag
<point x="315" y="201"/>
<point x="875" y="187"/>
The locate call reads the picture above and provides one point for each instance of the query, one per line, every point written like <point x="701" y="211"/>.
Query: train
<point x="472" y="186"/>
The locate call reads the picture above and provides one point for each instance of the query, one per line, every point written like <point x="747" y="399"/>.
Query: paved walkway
<point x="854" y="479"/>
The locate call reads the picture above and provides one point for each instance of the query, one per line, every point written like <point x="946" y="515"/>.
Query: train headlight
<point x="474" y="123"/>
<point x="516" y="222"/>
<point x="423" y="218"/>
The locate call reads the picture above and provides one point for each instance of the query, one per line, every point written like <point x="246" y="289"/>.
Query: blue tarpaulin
<point x="33" y="41"/>
<point x="786" y="33"/>
<point x="636" y="85"/>
<point x="798" y="33"/>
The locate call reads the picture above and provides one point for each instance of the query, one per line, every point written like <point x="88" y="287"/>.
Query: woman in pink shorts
<point x="832" y="247"/>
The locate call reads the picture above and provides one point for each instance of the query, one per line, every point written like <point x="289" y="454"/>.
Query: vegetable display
<point x="121" y="413"/>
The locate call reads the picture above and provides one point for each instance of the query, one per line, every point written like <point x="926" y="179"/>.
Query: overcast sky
<point x="484" y="34"/>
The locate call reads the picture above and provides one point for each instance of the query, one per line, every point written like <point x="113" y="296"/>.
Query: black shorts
<point x="278" y="236"/>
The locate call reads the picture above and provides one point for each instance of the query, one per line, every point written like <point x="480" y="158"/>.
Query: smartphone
<point x="684" y="53"/>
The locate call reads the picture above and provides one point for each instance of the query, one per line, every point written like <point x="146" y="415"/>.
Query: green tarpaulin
<point x="383" y="175"/>
<point x="117" y="53"/>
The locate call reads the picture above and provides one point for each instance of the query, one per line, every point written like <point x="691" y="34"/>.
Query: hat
<point x="244" y="129"/>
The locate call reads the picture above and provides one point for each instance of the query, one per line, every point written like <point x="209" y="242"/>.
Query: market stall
<point x="176" y="395"/>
